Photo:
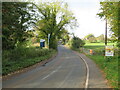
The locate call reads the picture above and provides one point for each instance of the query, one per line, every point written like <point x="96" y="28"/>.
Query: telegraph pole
<point x="106" y="33"/>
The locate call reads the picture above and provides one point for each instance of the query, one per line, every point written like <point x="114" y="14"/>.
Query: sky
<point x="85" y="11"/>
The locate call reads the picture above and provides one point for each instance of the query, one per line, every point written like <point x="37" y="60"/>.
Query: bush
<point x="23" y="53"/>
<point x="23" y="57"/>
<point x="76" y="43"/>
<point x="118" y="44"/>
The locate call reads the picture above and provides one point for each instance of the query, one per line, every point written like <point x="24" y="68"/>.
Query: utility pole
<point x="106" y="33"/>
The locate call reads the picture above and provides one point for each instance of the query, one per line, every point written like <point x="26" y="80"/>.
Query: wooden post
<point x="106" y="33"/>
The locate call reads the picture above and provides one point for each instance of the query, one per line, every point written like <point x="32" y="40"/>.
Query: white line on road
<point x="87" y="78"/>
<point x="51" y="73"/>
<point x="88" y="71"/>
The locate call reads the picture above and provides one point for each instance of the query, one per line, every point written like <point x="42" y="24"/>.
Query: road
<point x="66" y="70"/>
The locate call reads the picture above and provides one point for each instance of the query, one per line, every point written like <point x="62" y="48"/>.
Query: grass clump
<point x="19" y="58"/>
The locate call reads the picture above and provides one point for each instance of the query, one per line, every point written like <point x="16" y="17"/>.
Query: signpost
<point x="109" y="51"/>
<point x="48" y="39"/>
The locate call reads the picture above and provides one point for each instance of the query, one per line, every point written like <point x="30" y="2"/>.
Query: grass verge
<point x="20" y="58"/>
<point x="108" y="65"/>
<point x="110" y="68"/>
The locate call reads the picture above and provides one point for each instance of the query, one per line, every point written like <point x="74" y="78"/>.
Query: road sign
<point x="42" y="43"/>
<point x="42" y="40"/>
<point x="109" y="51"/>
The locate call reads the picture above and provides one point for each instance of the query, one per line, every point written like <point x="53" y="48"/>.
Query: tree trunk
<point x="53" y="43"/>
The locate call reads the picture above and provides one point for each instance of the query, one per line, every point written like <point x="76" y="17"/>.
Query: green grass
<point x="109" y="66"/>
<point x="98" y="44"/>
<point x="20" y="58"/>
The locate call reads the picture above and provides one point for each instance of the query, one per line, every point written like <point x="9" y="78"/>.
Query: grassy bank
<point x="20" y="58"/>
<point x="109" y="66"/>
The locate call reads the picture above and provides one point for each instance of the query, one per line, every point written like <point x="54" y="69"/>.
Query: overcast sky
<point x="85" y="12"/>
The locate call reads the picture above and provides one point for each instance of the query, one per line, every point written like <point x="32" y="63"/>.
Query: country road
<point x="66" y="70"/>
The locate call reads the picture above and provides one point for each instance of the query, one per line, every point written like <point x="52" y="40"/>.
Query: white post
<point x="48" y="39"/>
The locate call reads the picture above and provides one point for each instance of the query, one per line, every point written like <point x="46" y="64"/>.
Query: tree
<point x="16" y="18"/>
<point x="76" y="43"/>
<point x="100" y="38"/>
<point x="64" y="36"/>
<point x="111" y="12"/>
<point x="55" y="16"/>
<point x="90" y="38"/>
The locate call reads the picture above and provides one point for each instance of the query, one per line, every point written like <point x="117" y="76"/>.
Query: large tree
<point x="16" y="20"/>
<point x="54" y="17"/>
<point x="90" y="38"/>
<point x="110" y="11"/>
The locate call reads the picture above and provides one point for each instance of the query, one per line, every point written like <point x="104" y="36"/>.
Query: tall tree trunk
<point x="53" y="43"/>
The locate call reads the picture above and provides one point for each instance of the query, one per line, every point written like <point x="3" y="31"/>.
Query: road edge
<point x="87" y="69"/>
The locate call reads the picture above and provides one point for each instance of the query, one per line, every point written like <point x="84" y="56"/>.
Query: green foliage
<point x="23" y="57"/>
<point x="53" y="43"/>
<point x="100" y="38"/>
<point x="22" y="53"/>
<point x="16" y="20"/>
<point x="76" y="43"/>
<point x="118" y="44"/>
<point x="90" y="38"/>
<point x="55" y="16"/>
<point x="111" y="12"/>
<point x="64" y="36"/>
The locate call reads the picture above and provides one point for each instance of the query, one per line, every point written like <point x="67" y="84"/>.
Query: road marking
<point x="51" y="73"/>
<point x="88" y="71"/>
<point x="87" y="78"/>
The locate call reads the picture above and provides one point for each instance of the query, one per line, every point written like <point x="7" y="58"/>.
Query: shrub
<point x="23" y="53"/>
<point x="76" y="43"/>
<point x="23" y="57"/>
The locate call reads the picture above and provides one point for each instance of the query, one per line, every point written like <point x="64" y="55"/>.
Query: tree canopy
<point x="90" y="38"/>
<point x="54" y="17"/>
<point x="111" y="12"/>
<point x="16" y="20"/>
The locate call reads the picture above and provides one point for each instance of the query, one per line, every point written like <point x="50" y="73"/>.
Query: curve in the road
<point x="87" y="74"/>
<point x="67" y="70"/>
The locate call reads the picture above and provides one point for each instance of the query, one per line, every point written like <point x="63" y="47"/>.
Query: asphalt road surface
<point x="66" y="70"/>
